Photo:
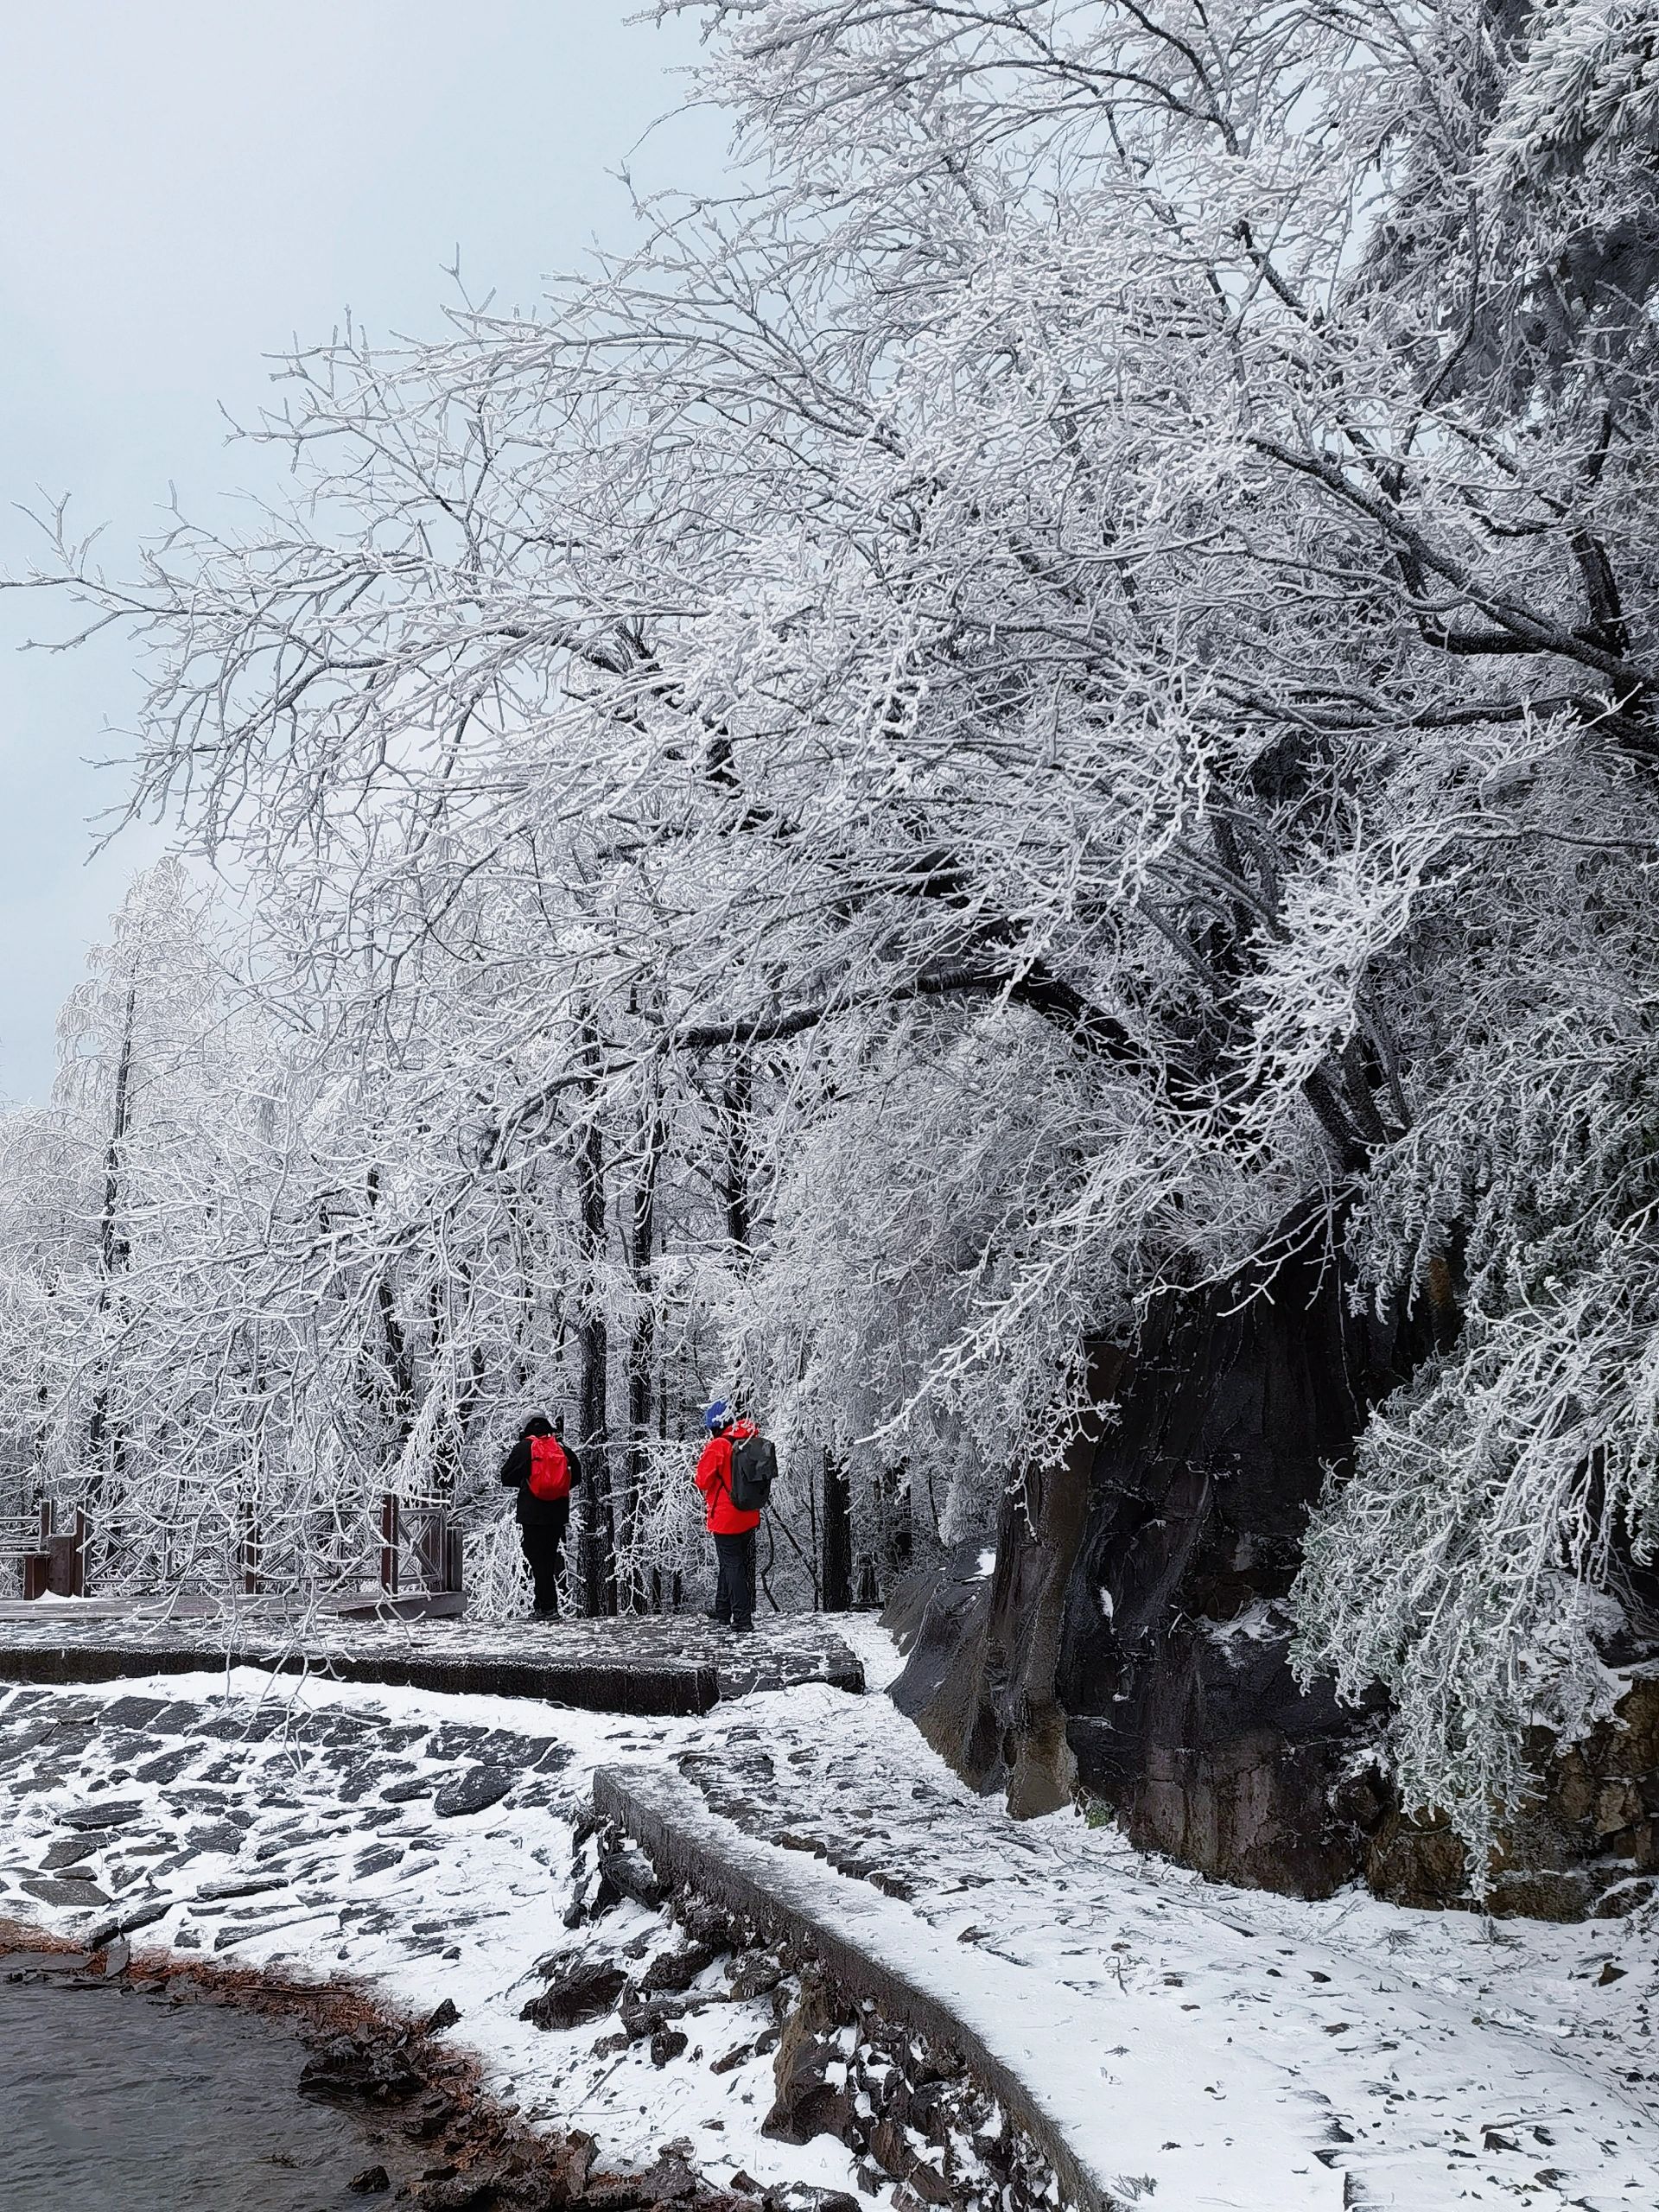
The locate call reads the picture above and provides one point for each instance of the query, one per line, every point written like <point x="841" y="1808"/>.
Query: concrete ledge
<point x="648" y="1692"/>
<point x="792" y="1897"/>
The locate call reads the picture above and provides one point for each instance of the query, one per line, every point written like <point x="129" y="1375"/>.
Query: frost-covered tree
<point x="1054" y="693"/>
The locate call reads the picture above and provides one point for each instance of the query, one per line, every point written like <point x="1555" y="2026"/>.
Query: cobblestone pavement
<point x="240" y="1821"/>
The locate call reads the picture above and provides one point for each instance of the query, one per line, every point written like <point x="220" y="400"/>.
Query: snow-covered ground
<point x="1238" y="2052"/>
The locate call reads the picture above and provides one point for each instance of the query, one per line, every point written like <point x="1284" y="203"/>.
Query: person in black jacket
<point x="542" y="1520"/>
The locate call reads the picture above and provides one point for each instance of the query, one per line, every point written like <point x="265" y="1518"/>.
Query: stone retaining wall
<point x="671" y="1823"/>
<point x="648" y="1691"/>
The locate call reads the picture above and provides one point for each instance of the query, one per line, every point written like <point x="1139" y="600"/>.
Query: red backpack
<point x="550" y="1470"/>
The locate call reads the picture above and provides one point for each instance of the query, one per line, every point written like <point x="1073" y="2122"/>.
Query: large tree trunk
<point x="734" y="1108"/>
<point x="598" y="1530"/>
<point x="835" y="1580"/>
<point x="1130" y="1639"/>
<point x="643" y="1345"/>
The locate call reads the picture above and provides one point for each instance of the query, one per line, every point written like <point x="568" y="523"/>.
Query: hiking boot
<point x="719" y="1619"/>
<point x="742" y="1627"/>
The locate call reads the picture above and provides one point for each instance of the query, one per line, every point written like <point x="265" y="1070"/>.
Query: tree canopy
<point x="1053" y="693"/>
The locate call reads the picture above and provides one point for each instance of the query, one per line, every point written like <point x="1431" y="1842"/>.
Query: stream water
<point x="110" y="2102"/>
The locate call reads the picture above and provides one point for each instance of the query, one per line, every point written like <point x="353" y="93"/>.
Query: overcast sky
<point x="187" y="184"/>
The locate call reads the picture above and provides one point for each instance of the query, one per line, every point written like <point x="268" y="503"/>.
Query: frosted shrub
<point x="1471" y="1561"/>
<point x="497" y="1580"/>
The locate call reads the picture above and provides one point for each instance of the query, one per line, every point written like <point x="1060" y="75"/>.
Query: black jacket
<point x="536" y="1512"/>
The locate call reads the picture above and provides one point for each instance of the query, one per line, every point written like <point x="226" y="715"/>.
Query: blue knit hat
<point x="717" y="1415"/>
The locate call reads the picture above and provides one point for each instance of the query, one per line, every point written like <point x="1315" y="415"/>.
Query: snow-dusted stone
<point x="142" y="1713"/>
<point x="226" y="1835"/>
<point x="115" y="1814"/>
<point x="473" y="1789"/>
<point x="583" y="1989"/>
<point x="59" y="1890"/>
<point x="408" y="1793"/>
<point x="166" y="1767"/>
<point x="67" y="1850"/>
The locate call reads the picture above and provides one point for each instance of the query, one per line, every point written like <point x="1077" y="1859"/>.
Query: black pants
<point x="544" y="1540"/>
<point x="734" y="1586"/>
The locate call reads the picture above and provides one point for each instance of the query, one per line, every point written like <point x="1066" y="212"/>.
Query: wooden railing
<point x="54" y="1563"/>
<point x="421" y="1550"/>
<point x="420" y="1546"/>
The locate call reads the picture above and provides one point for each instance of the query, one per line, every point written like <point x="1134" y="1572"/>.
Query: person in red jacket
<point x="732" y="1529"/>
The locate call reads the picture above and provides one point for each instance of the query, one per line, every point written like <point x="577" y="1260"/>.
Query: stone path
<point x="647" y="1665"/>
<point x="227" y="1817"/>
<point x="419" y="1846"/>
<point x="1212" y="2047"/>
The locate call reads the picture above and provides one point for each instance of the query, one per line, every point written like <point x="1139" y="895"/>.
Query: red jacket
<point x="713" y="1479"/>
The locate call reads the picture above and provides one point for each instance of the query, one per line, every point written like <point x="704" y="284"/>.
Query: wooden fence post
<point x="389" y="1544"/>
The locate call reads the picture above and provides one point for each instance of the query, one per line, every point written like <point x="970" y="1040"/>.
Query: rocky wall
<point x="1127" y="1643"/>
<point x="1588" y="1846"/>
<point x="1130" y="1642"/>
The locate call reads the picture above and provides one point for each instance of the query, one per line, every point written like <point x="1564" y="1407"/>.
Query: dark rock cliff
<point x="1130" y="1640"/>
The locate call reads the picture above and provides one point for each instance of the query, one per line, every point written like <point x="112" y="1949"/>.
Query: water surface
<point x="112" y="2101"/>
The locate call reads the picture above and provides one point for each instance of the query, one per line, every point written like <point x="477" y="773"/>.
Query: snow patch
<point x="1261" y="1622"/>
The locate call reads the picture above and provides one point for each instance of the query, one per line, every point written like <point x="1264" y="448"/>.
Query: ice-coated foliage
<point x="1585" y="94"/>
<point x="1480" y="1549"/>
<point x="1062" y="680"/>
